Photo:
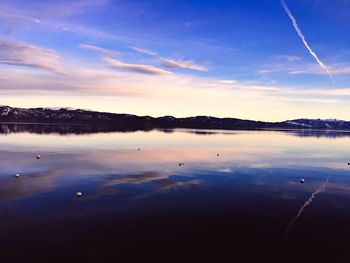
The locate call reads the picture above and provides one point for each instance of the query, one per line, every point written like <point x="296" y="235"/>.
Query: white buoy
<point x="38" y="157"/>
<point x="78" y="194"/>
<point x="17" y="175"/>
<point x="302" y="181"/>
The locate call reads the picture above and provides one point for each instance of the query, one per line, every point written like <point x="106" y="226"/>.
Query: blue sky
<point x="224" y="58"/>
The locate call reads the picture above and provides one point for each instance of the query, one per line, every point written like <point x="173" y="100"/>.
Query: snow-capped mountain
<point x="318" y="124"/>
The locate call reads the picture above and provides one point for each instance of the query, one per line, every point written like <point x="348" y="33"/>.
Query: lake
<point x="174" y="195"/>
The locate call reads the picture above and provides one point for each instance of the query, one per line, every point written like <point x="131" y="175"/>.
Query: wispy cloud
<point x="100" y="49"/>
<point x="22" y="54"/>
<point x="109" y="58"/>
<point x="336" y="70"/>
<point x="183" y="64"/>
<point x="40" y="10"/>
<point x="173" y="63"/>
<point x="195" y="23"/>
<point x="339" y="92"/>
<point x="301" y="35"/>
<point x="303" y="69"/>
<point x="290" y="58"/>
<point x="70" y="8"/>
<point x="144" y="51"/>
<point x="54" y="16"/>
<point x="228" y="81"/>
<point x="247" y="86"/>
<point x="137" y="68"/>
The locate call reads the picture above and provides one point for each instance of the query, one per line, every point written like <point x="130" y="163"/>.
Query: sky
<point x="265" y="60"/>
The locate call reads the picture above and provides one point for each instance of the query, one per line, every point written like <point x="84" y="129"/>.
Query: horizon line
<point x="167" y="115"/>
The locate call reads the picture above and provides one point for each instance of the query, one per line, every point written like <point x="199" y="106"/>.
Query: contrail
<point x="307" y="203"/>
<point x="301" y="35"/>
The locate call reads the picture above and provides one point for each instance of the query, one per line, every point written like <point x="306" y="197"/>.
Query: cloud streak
<point x="145" y="69"/>
<point x="54" y="9"/>
<point x="109" y="58"/>
<point x="70" y="8"/>
<point x="99" y="49"/>
<point x="172" y="63"/>
<point x="304" y="69"/>
<point x="17" y="53"/>
<point x="144" y="51"/>
<point x="290" y="58"/>
<point x="136" y="68"/>
<point x="302" y="37"/>
<point x="183" y="64"/>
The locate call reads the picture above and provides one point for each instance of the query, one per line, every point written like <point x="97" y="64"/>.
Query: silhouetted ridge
<point x="133" y="122"/>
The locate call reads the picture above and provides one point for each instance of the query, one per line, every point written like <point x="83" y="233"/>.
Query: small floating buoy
<point x="16" y="175"/>
<point x="38" y="157"/>
<point x="302" y="181"/>
<point x="78" y="194"/>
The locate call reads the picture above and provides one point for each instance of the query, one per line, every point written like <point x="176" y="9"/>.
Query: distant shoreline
<point x="66" y="116"/>
<point x="63" y="129"/>
<point x="159" y="127"/>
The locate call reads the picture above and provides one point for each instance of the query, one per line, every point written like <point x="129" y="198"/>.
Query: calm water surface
<point x="237" y="198"/>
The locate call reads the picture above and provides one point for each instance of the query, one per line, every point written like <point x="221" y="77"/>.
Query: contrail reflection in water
<point x="307" y="203"/>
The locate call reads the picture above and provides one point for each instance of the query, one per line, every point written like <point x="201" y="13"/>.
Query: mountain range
<point x="128" y="121"/>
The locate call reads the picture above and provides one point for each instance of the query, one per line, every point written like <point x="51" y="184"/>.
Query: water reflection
<point x="26" y="185"/>
<point x="306" y="204"/>
<point x="64" y="129"/>
<point x="241" y="200"/>
<point x="79" y="129"/>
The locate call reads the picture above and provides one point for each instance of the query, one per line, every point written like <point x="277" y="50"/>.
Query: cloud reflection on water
<point x="105" y="164"/>
<point x="26" y="185"/>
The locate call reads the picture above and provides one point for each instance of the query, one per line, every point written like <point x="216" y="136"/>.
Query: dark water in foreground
<point x="245" y="205"/>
